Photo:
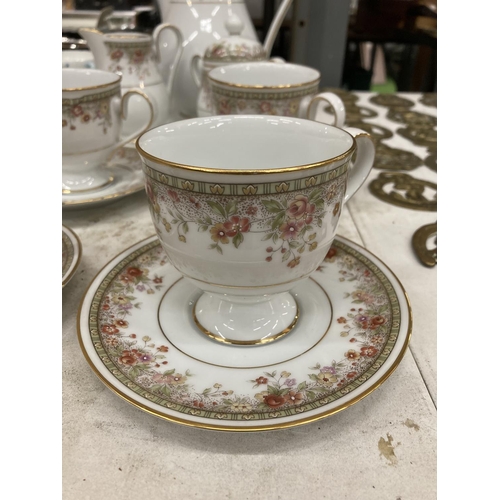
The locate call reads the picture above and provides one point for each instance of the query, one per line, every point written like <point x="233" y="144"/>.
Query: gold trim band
<point x="92" y="87"/>
<point x="263" y="341"/>
<point x="78" y="191"/>
<point x="264" y="87"/>
<point x="264" y="171"/>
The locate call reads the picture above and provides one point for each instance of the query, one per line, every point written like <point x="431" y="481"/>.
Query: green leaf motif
<point x="237" y="240"/>
<point x="231" y="208"/>
<point x="273" y="206"/>
<point x="217" y="208"/>
<point x="278" y="221"/>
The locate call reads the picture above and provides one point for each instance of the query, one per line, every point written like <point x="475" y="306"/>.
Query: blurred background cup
<point x="93" y="112"/>
<point x="271" y="88"/>
<point x="246" y="208"/>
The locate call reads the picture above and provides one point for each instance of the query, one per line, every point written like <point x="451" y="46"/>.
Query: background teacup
<point x="246" y="208"/>
<point x="92" y="114"/>
<point x="271" y="88"/>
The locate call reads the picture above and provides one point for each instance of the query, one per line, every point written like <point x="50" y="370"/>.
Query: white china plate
<point x="126" y="169"/>
<point x="152" y="355"/>
<point x="71" y="254"/>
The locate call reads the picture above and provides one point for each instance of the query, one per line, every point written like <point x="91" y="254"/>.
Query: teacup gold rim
<point x="264" y="171"/>
<point x="264" y="87"/>
<point x="93" y="87"/>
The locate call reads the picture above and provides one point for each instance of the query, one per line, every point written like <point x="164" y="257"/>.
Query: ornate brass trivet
<point x="391" y="101"/>
<point x="426" y="136"/>
<point x="431" y="161"/>
<point x="388" y="158"/>
<point x="411" y="118"/>
<point x="419" y="241"/>
<point x="429" y="99"/>
<point x="406" y="191"/>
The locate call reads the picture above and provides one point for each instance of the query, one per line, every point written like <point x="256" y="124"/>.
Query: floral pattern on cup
<point x="286" y="223"/>
<point x="89" y="109"/>
<point x="255" y="103"/>
<point x="144" y="364"/>
<point x="228" y="51"/>
<point x="130" y="58"/>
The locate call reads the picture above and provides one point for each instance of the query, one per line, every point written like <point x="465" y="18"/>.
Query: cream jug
<point x="139" y="59"/>
<point x="202" y="23"/>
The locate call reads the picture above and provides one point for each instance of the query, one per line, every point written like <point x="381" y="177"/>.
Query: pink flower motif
<point x="300" y="209"/>
<point x="290" y="229"/>
<point x="173" y="195"/>
<point x="236" y="225"/>
<point x="265" y="107"/>
<point x="116" y="55"/>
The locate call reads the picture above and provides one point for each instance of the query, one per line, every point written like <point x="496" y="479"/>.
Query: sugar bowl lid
<point x="234" y="48"/>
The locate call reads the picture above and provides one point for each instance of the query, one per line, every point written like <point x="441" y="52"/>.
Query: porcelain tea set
<point x="246" y="191"/>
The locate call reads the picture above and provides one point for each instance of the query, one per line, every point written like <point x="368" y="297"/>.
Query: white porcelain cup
<point x="271" y="88"/>
<point x="93" y="111"/>
<point x="246" y="208"/>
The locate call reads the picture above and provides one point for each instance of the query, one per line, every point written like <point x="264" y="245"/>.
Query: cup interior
<point x="245" y="142"/>
<point x="265" y="74"/>
<point x="81" y="78"/>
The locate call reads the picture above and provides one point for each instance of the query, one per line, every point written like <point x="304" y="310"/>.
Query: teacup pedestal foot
<point x="83" y="184"/>
<point x="245" y="320"/>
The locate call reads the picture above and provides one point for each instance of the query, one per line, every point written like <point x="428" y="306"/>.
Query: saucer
<point x="125" y="170"/>
<point x="137" y="333"/>
<point x="71" y="254"/>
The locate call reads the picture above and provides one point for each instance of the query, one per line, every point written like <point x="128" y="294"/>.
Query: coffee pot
<point x="202" y="23"/>
<point x="140" y="60"/>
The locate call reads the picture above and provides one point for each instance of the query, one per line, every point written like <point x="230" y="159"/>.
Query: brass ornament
<point x="426" y="137"/>
<point x="429" y="99"/>
<point x="431" y="161"/>
<point x="411" y="118"/>
<point x="419" y="241"/>
<point x="389" y="158"/>
<point x="391" y="101"/>
<point x="412" y="195"/>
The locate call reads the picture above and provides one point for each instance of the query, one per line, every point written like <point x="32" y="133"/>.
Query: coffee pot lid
<point x="234" y="48"/>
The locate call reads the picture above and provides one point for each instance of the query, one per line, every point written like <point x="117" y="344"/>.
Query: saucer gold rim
<point x="72" y="270"/>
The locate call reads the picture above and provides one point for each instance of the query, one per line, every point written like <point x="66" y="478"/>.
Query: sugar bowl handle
<point x="363" y="163"/>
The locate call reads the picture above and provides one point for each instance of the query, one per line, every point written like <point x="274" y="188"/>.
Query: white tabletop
<point x="383" y="447"/>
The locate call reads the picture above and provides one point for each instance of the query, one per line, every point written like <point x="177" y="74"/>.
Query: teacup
<point x="271" y="88"/>
<point x="93" y="111"/>
<point x="246" y="208"/>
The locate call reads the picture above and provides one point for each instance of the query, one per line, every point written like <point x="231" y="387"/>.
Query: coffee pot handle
<point x="178" y="52"/>
<point x="333" y="100"/>
<point x="123" y="103"/>
<point x="363" y="162"/>
<point x="196" y="69"/>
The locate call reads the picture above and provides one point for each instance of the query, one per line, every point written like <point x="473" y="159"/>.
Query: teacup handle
<point x="123" y="103"/>
<point x="362" y="165"/>
<point x="335" y="102"/>
<point x="196" y="69"/>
